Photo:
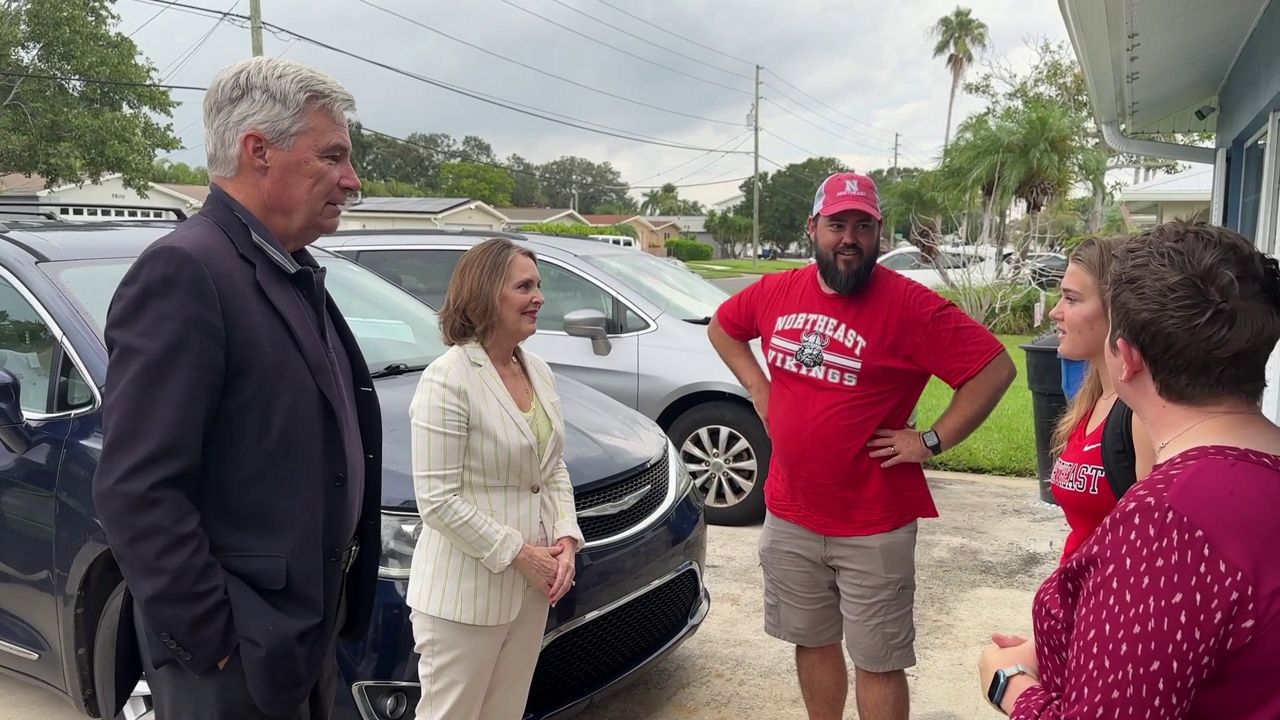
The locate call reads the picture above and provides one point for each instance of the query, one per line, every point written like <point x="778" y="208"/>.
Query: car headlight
<point x="680" y="476"/>
<point x="399" y="536"/>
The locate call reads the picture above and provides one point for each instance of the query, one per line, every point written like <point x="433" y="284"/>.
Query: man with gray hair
<point x="240" y="477"/>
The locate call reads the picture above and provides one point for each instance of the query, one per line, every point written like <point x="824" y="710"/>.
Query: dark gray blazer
<point x="221" y="481"/>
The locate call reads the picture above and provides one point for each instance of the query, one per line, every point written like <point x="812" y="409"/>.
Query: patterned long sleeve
<point x="1134" y="624"/>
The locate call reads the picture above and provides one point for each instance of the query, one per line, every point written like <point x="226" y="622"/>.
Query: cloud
<point x="867" y="61"/>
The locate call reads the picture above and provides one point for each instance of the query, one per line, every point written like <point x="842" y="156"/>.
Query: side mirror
<point x="10" y="409"/>
<point x="589" y="324"/>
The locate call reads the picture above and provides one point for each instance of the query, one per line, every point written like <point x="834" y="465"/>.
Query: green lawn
<point x="711" y="273"/>
<point x="1006" y="442"/>
<point x="740" y="266"/>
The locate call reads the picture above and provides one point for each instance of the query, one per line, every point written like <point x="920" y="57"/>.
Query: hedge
<point x="688" y="249"/>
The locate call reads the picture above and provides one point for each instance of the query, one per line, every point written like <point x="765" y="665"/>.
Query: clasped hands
<point x="550" y="568"/>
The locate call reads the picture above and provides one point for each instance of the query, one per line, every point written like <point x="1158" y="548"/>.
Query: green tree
<point x="165" y="171"/>
<point x="667" y="201"/>
<point x="731" y="232"/>
<point x="70" y="131"/>
<point x="959" y="35"/>
<point x="625" y="206"/>
<point x="390" y="188"/>
<point x="1055" y="78"/>
<point x="595" y="185"/>
<point x="786" y="199"/>
<point x="415" y="161"/>
<point x="479" y="182"/>
<point x="527" y="191"/>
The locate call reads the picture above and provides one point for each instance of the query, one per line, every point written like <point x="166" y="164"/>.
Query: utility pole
<point x="755" y="177"/>
<point x="255" y="26"/>
<point x="895" y="157"/>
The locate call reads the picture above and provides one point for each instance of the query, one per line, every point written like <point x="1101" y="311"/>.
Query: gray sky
<point x="868" y="59"/>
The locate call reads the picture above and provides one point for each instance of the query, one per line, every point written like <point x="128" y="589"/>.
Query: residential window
<point x="133" y="213"/>
<point x="1251" y="189"/>
<point x="77" y="211"/>
<point x="91" y="212"/>
<point x="64" y="211"/>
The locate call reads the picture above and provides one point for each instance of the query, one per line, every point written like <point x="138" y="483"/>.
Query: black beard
<point x="844" y="283"/>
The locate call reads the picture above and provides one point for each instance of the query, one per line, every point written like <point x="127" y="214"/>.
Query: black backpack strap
<point x="1118" y="455"/>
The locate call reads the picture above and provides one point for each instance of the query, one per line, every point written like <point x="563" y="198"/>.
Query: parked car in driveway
<point x="639" y="589"/>
<point x="961" y="265"/>
<point x="625" y="323"/>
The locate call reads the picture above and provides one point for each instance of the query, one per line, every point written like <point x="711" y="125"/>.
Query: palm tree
<point x="959" y="35"/>
<point x="652" y="202"/>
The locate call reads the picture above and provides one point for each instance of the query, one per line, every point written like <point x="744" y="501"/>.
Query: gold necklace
<point x="1160" y="448"/>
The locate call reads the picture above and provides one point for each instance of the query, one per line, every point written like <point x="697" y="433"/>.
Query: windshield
<point x="677" y="291"/>
<point x="391" y="326"/>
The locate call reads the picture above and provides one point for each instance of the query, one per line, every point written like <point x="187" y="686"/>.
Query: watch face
<point x="932" y="441"/>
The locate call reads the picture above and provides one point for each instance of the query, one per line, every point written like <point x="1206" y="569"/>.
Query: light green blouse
<point x="540" y="423"/>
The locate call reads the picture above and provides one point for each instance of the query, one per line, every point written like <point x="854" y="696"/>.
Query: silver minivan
<point x="625" y="323"/>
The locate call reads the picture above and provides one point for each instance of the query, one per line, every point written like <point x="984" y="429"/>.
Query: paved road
<point x="979" y="565"/>
<point x="733" y="285"/>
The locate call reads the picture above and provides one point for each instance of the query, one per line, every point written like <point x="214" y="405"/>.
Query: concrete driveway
<point x="978" y="567"/>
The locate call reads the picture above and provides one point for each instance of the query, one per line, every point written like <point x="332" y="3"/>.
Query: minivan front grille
<point x="630" y="490"/>
<point x="594" y="654"/>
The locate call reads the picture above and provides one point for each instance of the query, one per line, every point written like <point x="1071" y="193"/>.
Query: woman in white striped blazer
<point x="500" y="531"/>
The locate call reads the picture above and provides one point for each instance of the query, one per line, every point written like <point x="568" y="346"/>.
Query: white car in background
<point x="962" y="265"/>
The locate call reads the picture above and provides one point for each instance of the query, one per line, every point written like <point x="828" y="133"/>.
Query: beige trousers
<point x="478" y="672"/>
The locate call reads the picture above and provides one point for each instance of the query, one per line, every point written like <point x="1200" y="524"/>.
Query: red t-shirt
<point x="840" y="368"/>
<point x="1079" y="484"/>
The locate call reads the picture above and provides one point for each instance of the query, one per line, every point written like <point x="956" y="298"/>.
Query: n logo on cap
<point x="850" y="187"/>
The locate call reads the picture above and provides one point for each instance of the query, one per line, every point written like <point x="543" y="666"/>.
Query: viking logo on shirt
<point x="810" y="352"/>
<point x="806" y="343"/>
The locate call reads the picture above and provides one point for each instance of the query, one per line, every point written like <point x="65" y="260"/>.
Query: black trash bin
<point x="1048" y="402"/>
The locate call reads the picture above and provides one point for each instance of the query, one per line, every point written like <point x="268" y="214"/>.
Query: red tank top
<point x="1079" y="485"/>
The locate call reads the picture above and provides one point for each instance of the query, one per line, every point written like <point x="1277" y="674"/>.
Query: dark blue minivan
<point x="639" y="586"/>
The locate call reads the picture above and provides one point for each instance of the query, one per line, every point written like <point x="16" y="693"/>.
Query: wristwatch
<point x="932" y="441"/>
<point x="1000" y="683"/>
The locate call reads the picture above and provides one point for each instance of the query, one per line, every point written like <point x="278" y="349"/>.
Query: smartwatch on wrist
<point x="1000" y="684"/>
<point x="932" y="441"/>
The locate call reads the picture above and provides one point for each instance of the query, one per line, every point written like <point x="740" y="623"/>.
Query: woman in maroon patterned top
<point x="1171" y="609"/>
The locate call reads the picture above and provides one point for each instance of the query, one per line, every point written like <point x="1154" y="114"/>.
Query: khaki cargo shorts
<point x="819" y="589"/>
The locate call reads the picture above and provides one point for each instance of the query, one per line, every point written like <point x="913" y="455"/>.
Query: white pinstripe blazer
<point x="479" y="484"/>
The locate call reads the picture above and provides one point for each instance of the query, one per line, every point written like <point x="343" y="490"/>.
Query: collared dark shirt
<point x="307" y="278"/>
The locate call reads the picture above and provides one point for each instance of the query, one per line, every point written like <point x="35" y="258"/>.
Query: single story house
<point x="389" y="213"/>
<point x="519" y="216"/>
<point x="1181" y="196"/>
<point x="651" y="240"/>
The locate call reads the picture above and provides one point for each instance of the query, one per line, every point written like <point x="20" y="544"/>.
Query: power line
<point x="624" y="52"/>
<point x="671" y="32"/>
<point x="695" y="158"/>
<point x="148" y="22"/>
<point x="797" y="172"/>
<point x="828" y="107"/>
<point x="787" y="110"/>
<point x="842" y="125"/>
<point x="628" y="33"/>
<point x="191" y="53"/>
<point x="92" y="81"/>
<point x="475" y="95"/>
<point x="779" y="137"/>
<point x="688" y="175"/>
<point x="527" y="66"/>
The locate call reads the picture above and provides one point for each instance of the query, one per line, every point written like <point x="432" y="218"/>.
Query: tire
<point x="104" y="671"/>
<point x="727" y="451"/>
